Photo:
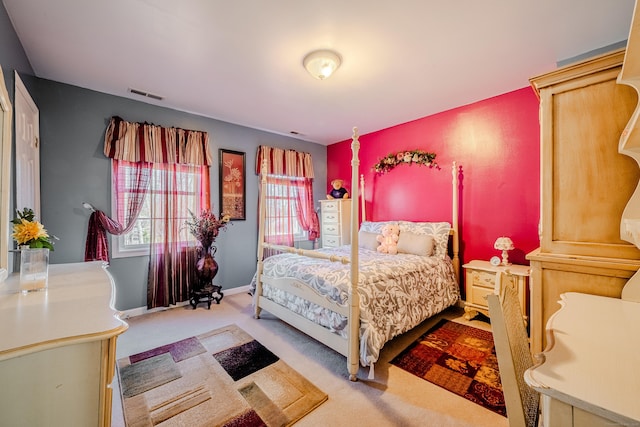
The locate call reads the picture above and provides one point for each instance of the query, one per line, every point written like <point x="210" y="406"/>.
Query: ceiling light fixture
<point x="321" y="63"/>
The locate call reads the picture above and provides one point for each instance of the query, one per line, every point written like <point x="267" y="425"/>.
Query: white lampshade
<point x="321" y="63"/>
<point x="504" y="244"/>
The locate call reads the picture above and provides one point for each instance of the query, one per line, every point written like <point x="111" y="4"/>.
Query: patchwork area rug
<point x="458" y="358"/>
<point x="220" y="378"/>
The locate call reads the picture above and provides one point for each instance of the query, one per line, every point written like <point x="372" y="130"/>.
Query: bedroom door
<point x="6" y="114"/>
<point x="27" y="150"/>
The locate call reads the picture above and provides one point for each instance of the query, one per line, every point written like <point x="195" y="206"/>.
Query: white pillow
<point x="367" y="240"/>
<point x="416" y="244"/>
<point x="375" y="227"/>
<point x="438" y="230"/>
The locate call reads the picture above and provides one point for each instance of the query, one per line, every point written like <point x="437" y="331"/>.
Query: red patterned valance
<point x="284" y="162"/>
<point x="145" y="142"/>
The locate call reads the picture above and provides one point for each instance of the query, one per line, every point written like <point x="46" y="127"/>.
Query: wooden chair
<point x="512" y="350"/>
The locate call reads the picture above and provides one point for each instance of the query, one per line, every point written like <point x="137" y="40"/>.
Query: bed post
<point x="454" y="222"/>
<point x="261" y="218"/>
<point x="353" y="357"/>
<point x="362" y="202"/>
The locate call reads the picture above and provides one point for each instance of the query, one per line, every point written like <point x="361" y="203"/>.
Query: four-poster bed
<point x="352" y="298"/>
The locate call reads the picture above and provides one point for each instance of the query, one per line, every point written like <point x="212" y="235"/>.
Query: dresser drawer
<point x="330" y="217"/>
<point x="330" y="206"/>
<point x="331" y="228"/>
<point x="478" y="295"/>
<point x="482" y="279"/>
<point x="331" y="241"/>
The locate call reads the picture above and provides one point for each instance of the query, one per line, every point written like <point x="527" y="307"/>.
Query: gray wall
<point x="74" y="170"/>
<point x="12" y="55"/>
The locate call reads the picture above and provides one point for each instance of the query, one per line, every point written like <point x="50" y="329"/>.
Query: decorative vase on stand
<point x="206" y="266"/>
<point x="34" y="269"/>
<point x="206" y="270"/>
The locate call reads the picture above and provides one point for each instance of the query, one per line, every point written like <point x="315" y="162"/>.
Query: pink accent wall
<point x="495" y="141"/>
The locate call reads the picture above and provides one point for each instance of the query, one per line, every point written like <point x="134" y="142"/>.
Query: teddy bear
<point x="388" y="239"/>
<point x="337" y="190"/>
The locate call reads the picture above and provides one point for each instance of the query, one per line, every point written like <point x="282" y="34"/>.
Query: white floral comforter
<point x="397" y="292"/>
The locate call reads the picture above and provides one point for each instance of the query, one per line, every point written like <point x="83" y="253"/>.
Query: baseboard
<point x="144" y="310"/>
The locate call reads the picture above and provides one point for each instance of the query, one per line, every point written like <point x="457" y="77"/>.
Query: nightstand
<point x="480" y="277"/>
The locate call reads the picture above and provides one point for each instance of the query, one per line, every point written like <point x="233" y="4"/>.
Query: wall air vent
<point x="147" y="94"/>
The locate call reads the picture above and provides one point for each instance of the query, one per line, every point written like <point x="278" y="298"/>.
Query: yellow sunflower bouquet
<point x="27" y="231"/>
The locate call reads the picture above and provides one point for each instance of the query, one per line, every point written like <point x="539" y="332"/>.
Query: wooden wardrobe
<point x="585" y="186"/>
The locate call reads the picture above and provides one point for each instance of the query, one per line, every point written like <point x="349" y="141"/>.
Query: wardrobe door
<point x="586" y="182"/>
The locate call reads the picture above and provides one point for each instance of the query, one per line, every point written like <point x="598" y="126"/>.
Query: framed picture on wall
<point x="232" y="184"/>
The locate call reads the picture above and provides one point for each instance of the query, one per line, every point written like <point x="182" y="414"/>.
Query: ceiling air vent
<point x="147" y="94"/>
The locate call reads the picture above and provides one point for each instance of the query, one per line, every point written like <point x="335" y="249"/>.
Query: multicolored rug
<point x="458" y="358"/>
<point x="220" y="378"/>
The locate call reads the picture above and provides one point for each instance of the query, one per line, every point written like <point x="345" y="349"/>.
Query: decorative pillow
<point x="439" y="231"/>
<point x="416" y="244"/>
<point x="367" y="240"/>
<point x="375" y="227"/>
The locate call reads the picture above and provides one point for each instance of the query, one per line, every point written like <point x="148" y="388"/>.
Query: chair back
<point x="512" y="349"/>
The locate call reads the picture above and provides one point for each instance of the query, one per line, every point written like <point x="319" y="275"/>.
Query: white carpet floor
<point x="393" y="398"/>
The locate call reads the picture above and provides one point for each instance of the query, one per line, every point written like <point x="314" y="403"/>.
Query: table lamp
<point x="504" y="244"/>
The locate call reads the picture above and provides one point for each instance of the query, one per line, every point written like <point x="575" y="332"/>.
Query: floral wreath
<point x="391" y="160"/>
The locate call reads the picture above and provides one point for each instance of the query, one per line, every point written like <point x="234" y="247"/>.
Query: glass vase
<point x="34" y="269"/>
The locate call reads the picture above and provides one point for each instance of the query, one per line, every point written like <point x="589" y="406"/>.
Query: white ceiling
<point x="240" y="61"/>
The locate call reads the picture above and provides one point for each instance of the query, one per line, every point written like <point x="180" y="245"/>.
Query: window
<point x="289" y="214"/>
<point x="185" y="185"/>
<point x="282" y="217"/>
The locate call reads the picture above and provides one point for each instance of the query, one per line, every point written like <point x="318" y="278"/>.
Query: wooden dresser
<point x="58" y="347"/>
<point x="335" y="222"/>
<point x="585" y="185"/>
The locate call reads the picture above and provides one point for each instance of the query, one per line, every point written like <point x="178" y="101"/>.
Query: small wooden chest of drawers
<point x="335" y="222"/>
<point x="480" y="277"/>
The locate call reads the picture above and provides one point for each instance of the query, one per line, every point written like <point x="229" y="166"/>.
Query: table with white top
<point x="57" y="348"/>
<point x="589" y="374"/>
